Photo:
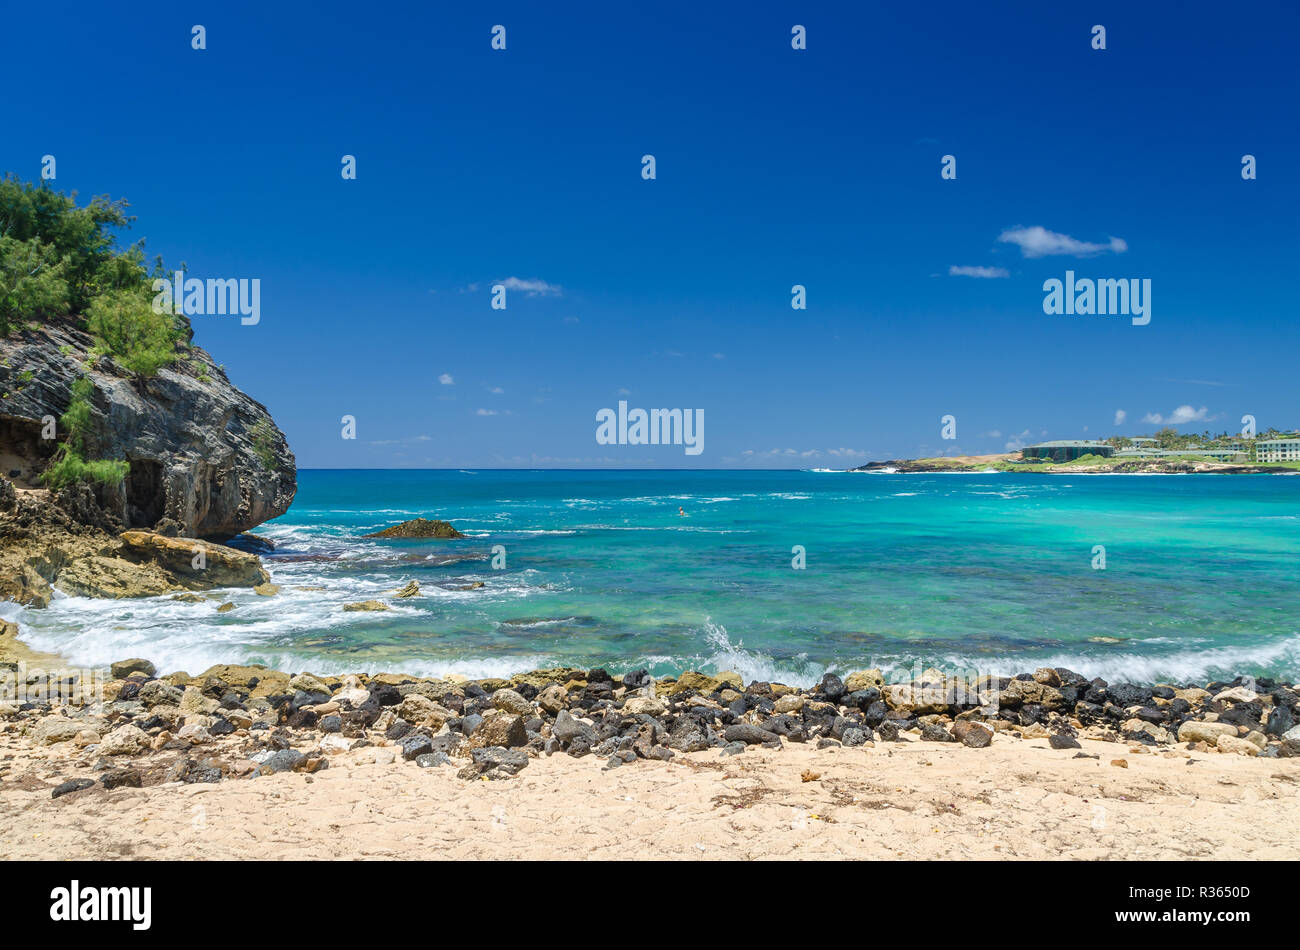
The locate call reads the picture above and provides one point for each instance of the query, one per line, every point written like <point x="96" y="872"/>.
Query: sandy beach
<point x="1016" y="799"/>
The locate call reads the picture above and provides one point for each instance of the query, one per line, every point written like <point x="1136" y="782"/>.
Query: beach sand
<point x="912" y="800"/>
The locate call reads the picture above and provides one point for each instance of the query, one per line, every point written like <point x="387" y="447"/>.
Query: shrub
<point x="31" y="282"/>
<point x="140" y="339"/>
<point x="68" y="468"/>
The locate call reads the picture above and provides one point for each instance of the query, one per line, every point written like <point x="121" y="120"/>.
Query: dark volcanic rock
<point x="1062" y="741"/>
<point x="832" y="687"/>
<point x="746" y="733"/>
<point x="933" y="732"/>
<point x="120" y="778"/>
<point x="1280" y="721"/>
<point x="72" y="785"/>
<point x="415" y="745"/>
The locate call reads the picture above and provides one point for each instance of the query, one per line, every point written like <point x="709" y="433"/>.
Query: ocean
<point x="996" y="573"/>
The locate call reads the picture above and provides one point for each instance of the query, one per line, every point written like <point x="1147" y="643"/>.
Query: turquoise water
<point x="990" y="572"/>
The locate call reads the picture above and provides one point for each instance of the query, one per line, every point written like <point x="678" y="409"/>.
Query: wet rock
<point x="366" y="605"/>
<point x="418" y="528"/>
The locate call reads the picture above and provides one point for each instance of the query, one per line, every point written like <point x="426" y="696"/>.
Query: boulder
<point x="1233" y="745"/>
<point x="502" y="730"/>
<point x="124" y="740"/>
<point x="54" y="729"/>
<point x="219" y="566"/>
<point x="507" y="700"/>
<point x="643" y="705"/>
<point x="418" y="528"/>
<point x="1208" y="732"/>
<point x="124" y="668"/>
<point x="972" y="734"/>
<point x="864" y="679"/>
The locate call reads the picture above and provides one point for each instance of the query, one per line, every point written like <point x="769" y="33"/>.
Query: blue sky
<point x="775" y="167"/>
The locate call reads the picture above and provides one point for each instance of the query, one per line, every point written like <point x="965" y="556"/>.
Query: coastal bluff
<point x="205" y="463"/>
<point x="202" y="454"/>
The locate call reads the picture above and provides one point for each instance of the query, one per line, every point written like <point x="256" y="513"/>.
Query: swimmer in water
<point x="681" y="511"/>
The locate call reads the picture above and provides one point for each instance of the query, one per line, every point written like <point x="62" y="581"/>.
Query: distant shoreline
<point x="1012" y="463"/>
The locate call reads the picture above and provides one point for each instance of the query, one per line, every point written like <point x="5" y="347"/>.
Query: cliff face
<point x="203" y="454"/>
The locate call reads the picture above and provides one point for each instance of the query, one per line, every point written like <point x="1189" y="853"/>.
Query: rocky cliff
<point x="206" y="461"/>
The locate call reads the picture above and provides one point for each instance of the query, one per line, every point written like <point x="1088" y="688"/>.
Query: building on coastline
<point x="1277" y="450"/>
<point x="1067" y="450"/>
<point x="1231" y="453"/>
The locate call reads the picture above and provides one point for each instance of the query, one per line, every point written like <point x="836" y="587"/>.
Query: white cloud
<point x="532" y="288"/>
<point x="719" y="356"/>
<point x="446" y="379"/>
<point x="496" y="390"/>
<point x="1120" y="416"/>
<point x="624" y="391"/>
<point x="1040" y="242"/>
<point x="967" y="270"/>
<point x="485" y="412"/>
<point x="1180" y="416"/>
<point x="1018" y="441"/>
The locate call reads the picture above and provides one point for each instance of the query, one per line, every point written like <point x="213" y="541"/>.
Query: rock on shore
<point x="233" y="722"/>
<point x="42" y="546"/>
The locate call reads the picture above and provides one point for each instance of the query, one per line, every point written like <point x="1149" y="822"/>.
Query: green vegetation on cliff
<point x="59" y="260"/>
<point x="69" y="464"/>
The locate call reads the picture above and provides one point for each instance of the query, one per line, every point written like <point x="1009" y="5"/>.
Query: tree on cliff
<point x="58" y="259"/>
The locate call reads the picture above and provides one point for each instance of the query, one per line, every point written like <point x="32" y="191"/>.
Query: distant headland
<point x="1164" y="452"/>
